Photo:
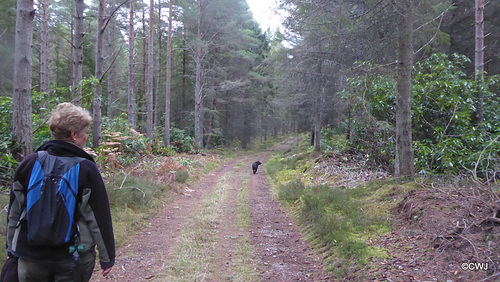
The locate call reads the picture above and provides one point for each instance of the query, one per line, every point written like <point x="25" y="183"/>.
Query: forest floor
<point x="230" y="227"/>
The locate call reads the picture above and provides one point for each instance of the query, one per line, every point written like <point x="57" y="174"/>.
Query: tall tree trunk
<point x="169" y="75"/>
<point x="479" y="57"/>
<point x="78" y="50"/>
<point x="112" y="77"/>
<point x="184" y="78"/>
<point x="198" y="109"/>
<point x="71" y="64"/>
<point x="210" y="118"/>
<point x="21" y="99"/>
<point x="44" y="47"/>
<point x="317" y="114"/>
<point x="99" y="62"/>
<point x="158" y="72"/>
<point x="198" y="127"/>
<point x="404" y="153"/>
<point x="142" y="94"/>
<point x="149" y="127"/>
<point x="131" y="68"/>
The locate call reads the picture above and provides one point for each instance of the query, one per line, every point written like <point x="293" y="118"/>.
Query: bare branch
<point x="112" y="14"/>
<point x="435" y="34"/>
<point x="127" y="174"/>
<point x="480" y="156"/>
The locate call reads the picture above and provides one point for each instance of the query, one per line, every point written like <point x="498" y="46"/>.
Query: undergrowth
<point x="138" y="193"/>
<point x="338" y="220"/>
<point x="4" y="203"/>
<point x="133" y="202"/>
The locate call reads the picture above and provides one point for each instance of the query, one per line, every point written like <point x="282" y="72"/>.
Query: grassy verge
<point x="338" y="221"/>
<point x="244" y="270"/>
<point x="132" y="207"/>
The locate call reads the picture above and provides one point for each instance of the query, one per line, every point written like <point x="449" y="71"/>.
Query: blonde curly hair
<point x="67" y="118"/>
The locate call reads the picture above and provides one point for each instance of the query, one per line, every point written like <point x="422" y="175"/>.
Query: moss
<point x="384" y="195"/>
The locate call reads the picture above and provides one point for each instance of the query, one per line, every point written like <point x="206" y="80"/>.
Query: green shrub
<point x="8" y="167"/>
<point x="116" y="124"/>
<point x="333" y="141"/>
<point x="273" y="166"/>
<point x="180" y="141"/>
<point x="448" y="137"/>
<point x="4" y="202"/>
<point x="135" y="193"/>
<point x="338" y="219"/>
<point x="282" y="162"/>
<point x="161" y="150"/>
<point x="188" y="162"/>
<point x="135" y="145"/>
<point x="291" y="191"/>
<point x="128" y="160"/>
<point x="6" y="117"/>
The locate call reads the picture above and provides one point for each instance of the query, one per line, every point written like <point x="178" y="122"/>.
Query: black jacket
<point x="94" y="220"/>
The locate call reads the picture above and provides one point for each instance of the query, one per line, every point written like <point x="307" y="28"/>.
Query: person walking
<point x="88" y="215"/>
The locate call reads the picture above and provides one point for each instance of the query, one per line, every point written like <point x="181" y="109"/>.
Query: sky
<point x="263" y="13"/>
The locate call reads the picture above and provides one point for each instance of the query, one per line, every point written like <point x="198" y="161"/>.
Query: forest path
<point x="228" y="228"/>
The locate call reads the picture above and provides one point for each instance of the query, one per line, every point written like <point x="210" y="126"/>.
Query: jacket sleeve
<point x="96" y="212"/>
<point x="17" y="198"/>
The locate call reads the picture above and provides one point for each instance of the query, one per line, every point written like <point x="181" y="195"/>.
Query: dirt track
<point x="278" y="251"/>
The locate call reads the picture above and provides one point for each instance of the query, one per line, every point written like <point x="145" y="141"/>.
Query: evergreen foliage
<point x="329" y="69"/>
<point x="447" y="136"/>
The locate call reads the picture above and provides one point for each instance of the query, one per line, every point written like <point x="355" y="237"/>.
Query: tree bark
<point x="99" y="62"/>
<point x="184" y="77"/>
<point x="198" y="127"/>
<point x="404" y="153"/>
<point x="21" y="99"/>
<point x="112" y="108"/>
<point x="142" y="94"/>
<point x="71" y="64"/>
<point x="479" y="57"/>
<point x="169" y="75"/>
<point x="44" y="47"/>
<point x="78" y="50"/>
<point x="198" y="110"/>
<point x="317" y="111"/>
<point x="149" y="116"/>
<point x="156" y="122"/>
<point x="131" y="68"/>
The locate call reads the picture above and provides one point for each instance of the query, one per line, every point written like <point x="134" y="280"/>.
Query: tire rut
<point x="281" y="253"/>
<point x="143" y="257"/>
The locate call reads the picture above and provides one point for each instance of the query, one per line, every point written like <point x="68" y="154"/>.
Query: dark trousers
<point x="32" y="271"/>
<point x="77" y="270"/>
<point x="85" y="266"/>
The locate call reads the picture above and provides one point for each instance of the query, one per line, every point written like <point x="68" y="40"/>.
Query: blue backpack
<point x="51" y="200"/>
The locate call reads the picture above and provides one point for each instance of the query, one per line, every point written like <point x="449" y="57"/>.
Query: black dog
<point x="255" y="166"/>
